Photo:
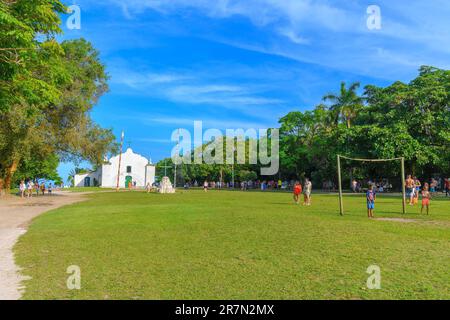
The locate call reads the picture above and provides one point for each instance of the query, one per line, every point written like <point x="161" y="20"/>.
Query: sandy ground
<point x="15" y="215"/>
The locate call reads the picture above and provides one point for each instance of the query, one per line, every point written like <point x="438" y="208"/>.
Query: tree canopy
<point x="47" y="91"/>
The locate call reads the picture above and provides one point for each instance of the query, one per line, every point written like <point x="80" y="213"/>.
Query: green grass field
<point x="235" y="245"/>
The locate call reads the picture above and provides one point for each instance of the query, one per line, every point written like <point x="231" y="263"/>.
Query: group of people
<point x="413" y="188"/>
<point x="306" y="189"/>
<point x="379" y="186"/>
<point x="26" y="188"/>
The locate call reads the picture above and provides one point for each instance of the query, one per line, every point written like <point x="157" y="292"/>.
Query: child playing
<point x="426" y="196"/>
<point x="297" y="192"/>
<point x="370" y="197"/>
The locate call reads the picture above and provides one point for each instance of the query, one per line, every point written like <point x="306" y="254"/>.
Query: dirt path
<point x="15" y="215"/>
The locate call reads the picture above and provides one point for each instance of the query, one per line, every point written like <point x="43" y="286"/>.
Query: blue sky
<point x="244" y="64"/>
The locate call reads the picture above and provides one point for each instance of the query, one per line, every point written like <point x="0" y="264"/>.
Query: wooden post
<point x="341" y="204"/>
<point x="120" y="161"/>
<point x="403" y="185"/>
<point x="178" y="155"/>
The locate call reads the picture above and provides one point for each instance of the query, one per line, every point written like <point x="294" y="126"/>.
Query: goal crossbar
<point x="369" y="160"/>
<point x="402" y="161"/>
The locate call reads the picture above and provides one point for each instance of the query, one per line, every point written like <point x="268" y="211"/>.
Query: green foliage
<point x="245" y="175"/>
<point x="36" y="167"/>
<point x="345" y="105"/>
<point x="210" y="172"/>
<point x="47" y="90"/>
<point x="402" y="120"/>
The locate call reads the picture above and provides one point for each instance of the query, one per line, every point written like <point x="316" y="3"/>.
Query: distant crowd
<point x="412" y="184"/>
<point x="244" y="185"/>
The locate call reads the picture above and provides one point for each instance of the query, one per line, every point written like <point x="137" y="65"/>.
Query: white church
<point x="135" y="171"/>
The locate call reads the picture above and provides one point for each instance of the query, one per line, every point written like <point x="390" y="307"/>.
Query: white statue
<point x="166" y="186"/>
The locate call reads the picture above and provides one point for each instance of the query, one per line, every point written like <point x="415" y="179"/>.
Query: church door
<point x="87" y="182"/>
<point x="128" y="181"/>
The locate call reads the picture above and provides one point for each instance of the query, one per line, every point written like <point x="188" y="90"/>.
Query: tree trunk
<point x="2" y="183"/>
<point x="9" y="175"/>
<point x="349" y="123"/>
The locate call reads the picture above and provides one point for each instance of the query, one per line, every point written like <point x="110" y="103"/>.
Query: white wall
<point x="150" y="178"/>
<point x="138" y="170"/>
<point x="79" y="178"/>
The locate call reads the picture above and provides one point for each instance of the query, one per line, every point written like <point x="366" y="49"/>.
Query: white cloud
<point x="224" y="95"/>
<point x="294" y="37"/>
<point x="197" y="89"/>
<point x="208" y="122"/>
<point x="138" y="80"/>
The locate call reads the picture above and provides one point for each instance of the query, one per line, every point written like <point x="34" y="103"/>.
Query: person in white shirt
<point x="307" y="192"/>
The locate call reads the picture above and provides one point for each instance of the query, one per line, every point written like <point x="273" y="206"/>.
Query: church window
<point x="128" y="169"/>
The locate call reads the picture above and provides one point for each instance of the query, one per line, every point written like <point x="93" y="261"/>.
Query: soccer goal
<point x="341" y="199"/>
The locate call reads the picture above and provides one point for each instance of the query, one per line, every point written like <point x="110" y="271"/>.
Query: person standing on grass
<point x="307" y="193"/>
<point x="22" y="188"/>
<point x="370" y="197"/>
<point x="417" y="186"/>
<point x="205" y="186"/>
<point x="410" y="186"/>
<point x="149" y="187"/>
<point x="426" y="197"/>
<point x="297" y="192"/>
<point x="49" y="189"/>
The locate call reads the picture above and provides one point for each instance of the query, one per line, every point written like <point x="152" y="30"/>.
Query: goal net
<point x="402" y="169"/>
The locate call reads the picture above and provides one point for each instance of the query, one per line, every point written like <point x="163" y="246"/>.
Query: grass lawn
<point x="87" y="189"/>
<point x="235" y="245"/>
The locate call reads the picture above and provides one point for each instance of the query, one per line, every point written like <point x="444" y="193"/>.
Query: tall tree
<point x="346" y="104"/>
<point x="47" y="89"/>
<point x="413" y="120"/>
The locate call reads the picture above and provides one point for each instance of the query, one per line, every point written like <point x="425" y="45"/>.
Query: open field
<point x="235" y="245"/>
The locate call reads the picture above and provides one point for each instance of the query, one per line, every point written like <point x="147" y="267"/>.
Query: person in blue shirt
<point x="370" y="197"/>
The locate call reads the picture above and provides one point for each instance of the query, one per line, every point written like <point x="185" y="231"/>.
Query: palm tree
<point x="346" y="104"/>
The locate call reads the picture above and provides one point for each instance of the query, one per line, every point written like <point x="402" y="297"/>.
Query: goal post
<point x="341" y="199"/>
